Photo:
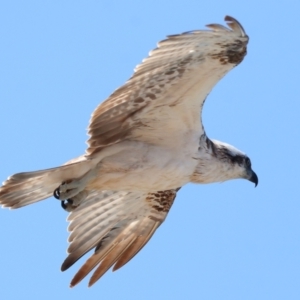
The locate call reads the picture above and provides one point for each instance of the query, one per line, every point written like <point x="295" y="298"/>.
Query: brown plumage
<point x="146" y="141"/>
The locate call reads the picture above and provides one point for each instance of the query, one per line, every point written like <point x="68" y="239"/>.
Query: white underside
<point x="138" y="166"/>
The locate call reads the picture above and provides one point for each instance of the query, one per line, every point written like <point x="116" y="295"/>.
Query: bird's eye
<point x="247" y="162"/>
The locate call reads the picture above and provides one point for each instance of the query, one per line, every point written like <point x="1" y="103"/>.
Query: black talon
<point x="56" y="193"/>
<point x="65" y="204"/>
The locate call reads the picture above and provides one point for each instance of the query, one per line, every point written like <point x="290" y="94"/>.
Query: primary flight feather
<point x="146" y="141"/>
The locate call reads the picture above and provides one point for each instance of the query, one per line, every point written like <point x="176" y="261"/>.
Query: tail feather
<point x="29" y="187"/>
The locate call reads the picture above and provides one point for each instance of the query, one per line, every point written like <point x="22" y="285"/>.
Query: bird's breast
<point x="146" y="168"/>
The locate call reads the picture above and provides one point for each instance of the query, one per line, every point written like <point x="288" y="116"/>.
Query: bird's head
<point x="225" y="163"/>
<point x="238" y="163"/>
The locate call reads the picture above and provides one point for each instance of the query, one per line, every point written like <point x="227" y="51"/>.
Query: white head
<point x="219" y="162"/>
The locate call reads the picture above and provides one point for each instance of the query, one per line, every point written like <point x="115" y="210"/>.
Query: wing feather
<point x="117" y="225"/>
<point x="136" y="246"/>
<point x="181" y="71"/>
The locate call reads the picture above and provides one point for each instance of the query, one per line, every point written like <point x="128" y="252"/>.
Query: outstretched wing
<point x="164" y="97"/>
<point x="117" y="225"/>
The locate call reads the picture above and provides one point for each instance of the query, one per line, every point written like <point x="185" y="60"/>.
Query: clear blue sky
<point x="59" y="59"/>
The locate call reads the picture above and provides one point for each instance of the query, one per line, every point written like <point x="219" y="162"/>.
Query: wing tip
<point x="235" y="25"/>
<point x="232" y="23"/>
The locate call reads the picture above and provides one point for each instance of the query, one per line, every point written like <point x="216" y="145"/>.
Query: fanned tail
<point x="22" y="189"/>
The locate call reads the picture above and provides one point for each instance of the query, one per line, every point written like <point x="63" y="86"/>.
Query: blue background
<point x="59" y="59"/>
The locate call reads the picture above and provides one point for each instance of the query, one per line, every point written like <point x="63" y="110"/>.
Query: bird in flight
<point x="145" y="142"/>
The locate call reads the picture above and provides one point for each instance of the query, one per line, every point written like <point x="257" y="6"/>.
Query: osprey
<point x="146" y="141"/>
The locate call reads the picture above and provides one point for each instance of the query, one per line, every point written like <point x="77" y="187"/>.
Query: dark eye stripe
<point x="239" y="159"/>
<point x="248" y="162"/>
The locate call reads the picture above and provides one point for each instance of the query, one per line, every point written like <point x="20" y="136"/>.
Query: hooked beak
<point x="253" y="178"/>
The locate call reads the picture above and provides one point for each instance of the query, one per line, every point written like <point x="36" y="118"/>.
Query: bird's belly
<point x="150" y="180"/>
<point x="151" y="170"/>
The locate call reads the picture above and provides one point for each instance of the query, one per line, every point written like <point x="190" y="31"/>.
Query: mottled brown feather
<point x="120" y="241"/>
<point x="169" y="70"/>
<point x="164" y="96"/>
